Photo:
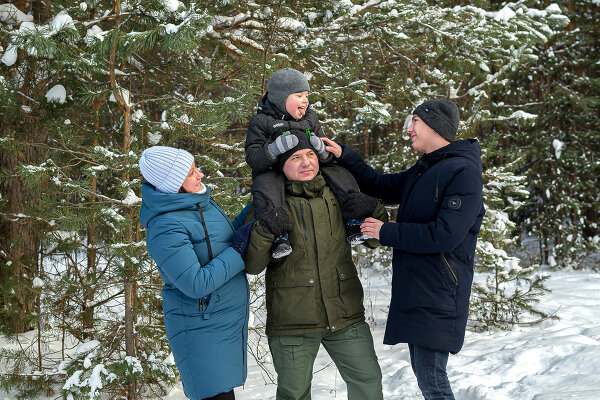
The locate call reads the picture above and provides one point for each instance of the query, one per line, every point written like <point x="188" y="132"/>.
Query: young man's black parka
<point x="440" y="210"/>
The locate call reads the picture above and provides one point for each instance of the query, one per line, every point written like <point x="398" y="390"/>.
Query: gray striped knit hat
<point x="165" y="167"/>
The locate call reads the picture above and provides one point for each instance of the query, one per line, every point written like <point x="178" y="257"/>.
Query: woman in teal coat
<point x="198" y="252"/>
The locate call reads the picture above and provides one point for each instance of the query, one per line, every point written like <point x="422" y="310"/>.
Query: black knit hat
<point x="283" y="83"/>
<point x="440" y="115"/>
<point x="303" y="143"/>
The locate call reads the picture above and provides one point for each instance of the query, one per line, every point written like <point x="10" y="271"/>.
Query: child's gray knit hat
<point x="283" y="83"/>
<point x="165" y="167"/>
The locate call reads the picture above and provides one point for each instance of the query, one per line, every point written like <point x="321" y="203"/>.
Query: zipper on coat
<point x="303" y="223"/>
<point x="210" y="253"/>
<point x="244" y="361"/>
<point x="450" y="269"/>
<point x="329" y="211"/>
<point x="437" y="181"/>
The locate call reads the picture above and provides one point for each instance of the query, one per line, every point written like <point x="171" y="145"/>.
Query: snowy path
<point x="556" y="360"/>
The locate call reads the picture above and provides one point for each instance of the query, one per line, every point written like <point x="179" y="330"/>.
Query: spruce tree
<point x="561" y="147"/>
<point x="506" y="292"/>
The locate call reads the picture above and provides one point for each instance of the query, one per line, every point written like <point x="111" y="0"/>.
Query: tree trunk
<point x="130" y="289"/>
<point x="20" y="236"/>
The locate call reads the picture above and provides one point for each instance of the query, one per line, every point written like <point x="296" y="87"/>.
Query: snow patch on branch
<point x="10" y="14"/>
<point x="86" y="347"/>
<point x="171" y="5"/>
<point x="61" y="21"/>
<point x="522" y="115"/>
<point x="505" y="14"/>
<point x="10" y="55"/>
<point x="94" y="34"/>
<point x="124" y="93"/>
<point x="558" y="147"/>
<point x="292" y="24"/>
<point x="57" y="94"/>
<point x="131" y="198"/>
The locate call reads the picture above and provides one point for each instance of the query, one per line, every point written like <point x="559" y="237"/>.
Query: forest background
<point x="85" y="86"/>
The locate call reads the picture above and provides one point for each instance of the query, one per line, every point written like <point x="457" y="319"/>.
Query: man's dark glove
<point x="241" y="238"/>
<point x="358" y="205"/>
<point x="276" y="221"/>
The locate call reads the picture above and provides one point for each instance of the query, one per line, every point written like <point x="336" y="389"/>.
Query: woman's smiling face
<point x="193" y="180"/>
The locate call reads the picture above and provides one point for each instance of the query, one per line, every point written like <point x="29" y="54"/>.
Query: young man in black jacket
<point x="440" y="209"/>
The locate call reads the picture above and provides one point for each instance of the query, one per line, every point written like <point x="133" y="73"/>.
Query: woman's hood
<point x="156" y="203"/>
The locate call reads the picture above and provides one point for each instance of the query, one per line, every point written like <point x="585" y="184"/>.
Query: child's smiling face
<point x="296" y="104"/>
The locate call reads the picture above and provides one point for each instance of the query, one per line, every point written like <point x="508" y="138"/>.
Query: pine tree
<point x="508" y="292"/>
<point x="106" y="90"/>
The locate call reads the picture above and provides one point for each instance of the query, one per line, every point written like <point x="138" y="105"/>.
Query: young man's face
<point x="424" y="138"/>
<point x="303" y="165"/>
<point x="193" y="181"/>
<point x="296" y="104"/>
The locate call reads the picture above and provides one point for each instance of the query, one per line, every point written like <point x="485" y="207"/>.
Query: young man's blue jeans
<point x="429" y="367"/>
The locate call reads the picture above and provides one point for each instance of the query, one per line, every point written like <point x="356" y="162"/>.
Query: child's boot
<point x="281" y="246"/>
<point x="353" y="233"/>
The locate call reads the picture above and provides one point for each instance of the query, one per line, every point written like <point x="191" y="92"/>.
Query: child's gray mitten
<point x="282" y="144"/>
<point x="319" y="147"/>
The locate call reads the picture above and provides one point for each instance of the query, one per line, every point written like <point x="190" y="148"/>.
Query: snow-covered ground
<point x="558" y="359"/>
<point x="554" y="360"/>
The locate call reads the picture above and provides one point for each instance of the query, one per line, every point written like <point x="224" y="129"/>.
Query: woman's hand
<point x="371" y="227"/>
<point x="332" y="147"/>
<point x="241" y="238"/>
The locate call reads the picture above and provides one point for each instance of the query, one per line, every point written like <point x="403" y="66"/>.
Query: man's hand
<point x="333" y="147"/>
<point x="371" y="227"/>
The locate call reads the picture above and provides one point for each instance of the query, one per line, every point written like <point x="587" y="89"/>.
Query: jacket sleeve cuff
<point x="233" y="259"/>
<point x="388" y="234"/>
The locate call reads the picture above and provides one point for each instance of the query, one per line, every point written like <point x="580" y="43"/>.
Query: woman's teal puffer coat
<point x="205" y="302"/>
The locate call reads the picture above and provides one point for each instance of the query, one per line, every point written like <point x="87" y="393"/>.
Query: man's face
<point x="423" y="138"/>
<point x="303" y="165"/>
<point x="296" y="104"/>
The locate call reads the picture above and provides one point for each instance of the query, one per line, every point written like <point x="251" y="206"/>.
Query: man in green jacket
<point x="314" y="295"/>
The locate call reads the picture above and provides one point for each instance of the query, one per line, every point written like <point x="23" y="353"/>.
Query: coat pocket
<point x="449" y="271"/>
<point x="293" y="298"/>
<point x="450" y="277"/>
<point x="350" y="290"/>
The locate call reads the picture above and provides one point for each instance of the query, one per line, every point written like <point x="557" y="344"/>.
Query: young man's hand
<point x="371" y="227"/>
<point x="333" y="147"/>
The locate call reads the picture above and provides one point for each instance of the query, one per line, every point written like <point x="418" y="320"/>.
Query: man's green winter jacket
<point x="316" y="288"/>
